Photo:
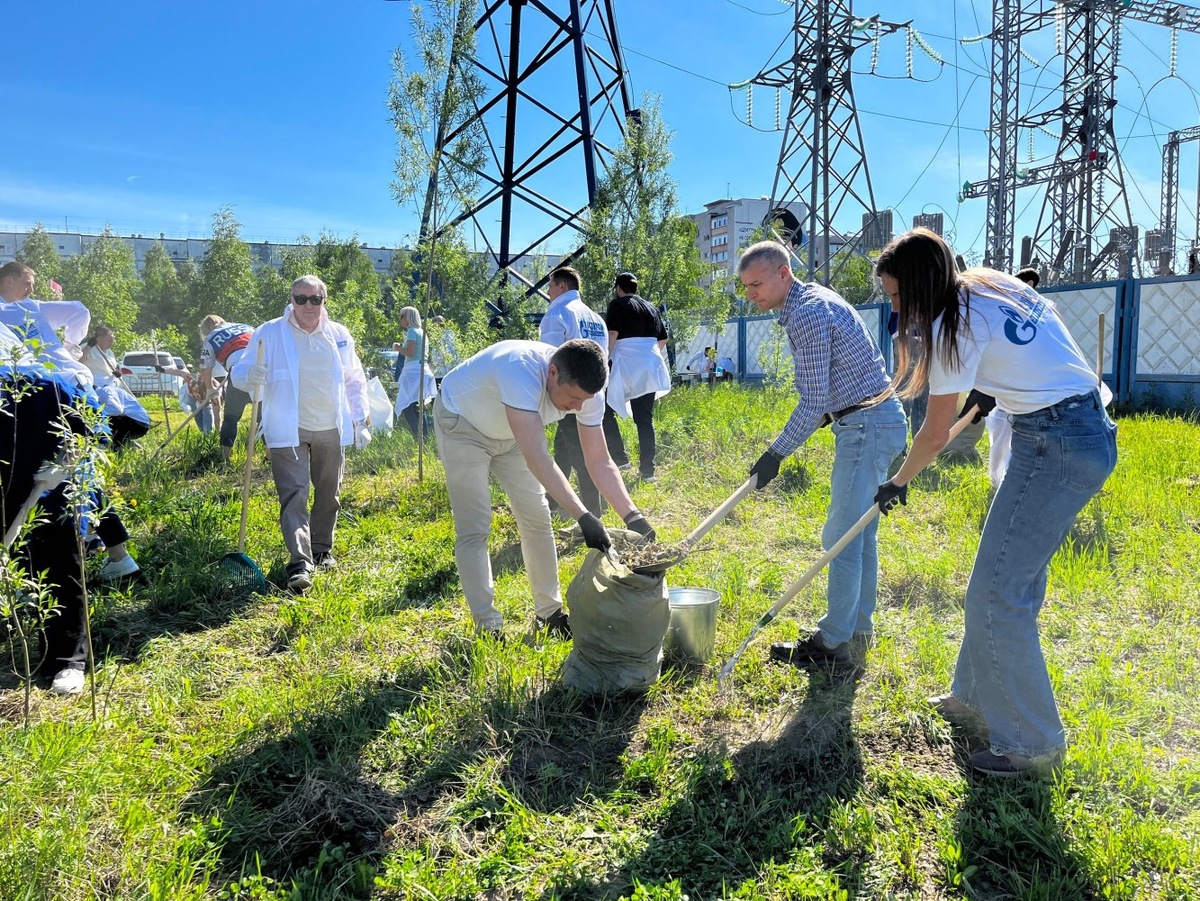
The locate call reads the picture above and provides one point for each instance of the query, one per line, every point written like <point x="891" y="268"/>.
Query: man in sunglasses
<point x="314" y="403"/>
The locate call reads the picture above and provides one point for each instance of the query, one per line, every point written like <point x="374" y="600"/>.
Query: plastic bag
<point x="380" y="406"/>
<point x="619" y="620"/>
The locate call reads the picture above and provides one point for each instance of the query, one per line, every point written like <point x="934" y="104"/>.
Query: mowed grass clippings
<point x="359" y="742"/>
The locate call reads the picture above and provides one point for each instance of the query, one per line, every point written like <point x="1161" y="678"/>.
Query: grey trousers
<point x="318" y="461"/>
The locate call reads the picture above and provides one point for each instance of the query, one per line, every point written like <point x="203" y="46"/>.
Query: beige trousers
<point x="470" y="458"/>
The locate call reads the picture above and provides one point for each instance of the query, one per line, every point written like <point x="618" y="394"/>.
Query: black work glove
<point x="638" y="523"/>
<point x="766" y="468"/>
<point x="158" y="369"/>
<point x="595" y="535"/>
<point x="890" y="494"/>
<point x="985" y="402"/>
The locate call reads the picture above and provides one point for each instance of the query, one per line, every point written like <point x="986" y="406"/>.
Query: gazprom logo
<point x="1019" y="329"/>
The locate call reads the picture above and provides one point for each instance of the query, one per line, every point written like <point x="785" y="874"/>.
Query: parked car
<point x="140" y="376"/>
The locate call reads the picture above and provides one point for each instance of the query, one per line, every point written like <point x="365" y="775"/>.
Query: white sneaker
<point x="119" y="569"/>
<point x="69" y="681"/>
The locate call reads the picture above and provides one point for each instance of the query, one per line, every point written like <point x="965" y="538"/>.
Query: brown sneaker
<point x="958" y="712"/>
<point x="1009" y="766"/>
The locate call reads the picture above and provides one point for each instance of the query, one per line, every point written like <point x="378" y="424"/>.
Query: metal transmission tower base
<point x="542" y="135"/>
<point x="822" y="160"/>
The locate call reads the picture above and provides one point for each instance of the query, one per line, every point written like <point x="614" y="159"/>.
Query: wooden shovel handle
<point x="719" y="514"/>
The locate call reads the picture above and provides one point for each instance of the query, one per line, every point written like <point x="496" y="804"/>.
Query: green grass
<point x="358" y="743"/>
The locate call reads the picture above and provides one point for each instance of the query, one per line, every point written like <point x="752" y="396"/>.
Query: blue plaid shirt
<point x="838" y="364"/>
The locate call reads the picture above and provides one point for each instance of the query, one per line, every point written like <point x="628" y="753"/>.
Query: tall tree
<point x="636" y="225"/>
<point x="39" y="252"/>
<point x="441" y="146"/>
<point x="104" y="277"/>
<point x="226" y="284"/>
<point x="162" y="296"/>
<point x="354" y="285"/>
<point x="439" y="157"/>
<point x="272" y="293"/>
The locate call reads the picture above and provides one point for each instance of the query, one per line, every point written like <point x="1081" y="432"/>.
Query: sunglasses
<point x="301" y="299"/>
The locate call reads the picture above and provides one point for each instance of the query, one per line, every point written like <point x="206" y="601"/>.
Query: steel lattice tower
<point x="822" y="159"/>
<point x="540" y="137"/>
<point x="1085" y="199"/>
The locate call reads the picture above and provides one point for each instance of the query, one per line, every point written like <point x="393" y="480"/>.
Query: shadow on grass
<point x="299" y="806"/>
<point x="183" y="590"/>
<point x="1012" y="845"/>
<point x="546" y="770"/>
<point x="738" y="814"/>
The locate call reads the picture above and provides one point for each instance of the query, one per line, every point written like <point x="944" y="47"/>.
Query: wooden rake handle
<point x="251" y="436"/>
<point x="208" y="398"/>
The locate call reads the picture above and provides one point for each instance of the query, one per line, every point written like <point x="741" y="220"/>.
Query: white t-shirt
<point x="568" y="317"/>
<point x="508" y="374"/>
<point x="1018" y="350"/>
<point x="316" y="359"/>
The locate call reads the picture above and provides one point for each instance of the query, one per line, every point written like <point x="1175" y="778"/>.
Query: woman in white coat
<point x="411" y="394"/>
<point x="637" y="340"/>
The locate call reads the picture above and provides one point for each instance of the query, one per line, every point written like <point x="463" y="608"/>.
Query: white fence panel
<point x="1168" y="339"/>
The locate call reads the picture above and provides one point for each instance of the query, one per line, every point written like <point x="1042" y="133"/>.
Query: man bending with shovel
<point x="490" y="419"/>
<point x="842" y="380"/>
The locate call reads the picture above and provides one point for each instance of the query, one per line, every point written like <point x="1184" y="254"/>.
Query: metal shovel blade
<point x="679" y="553"/>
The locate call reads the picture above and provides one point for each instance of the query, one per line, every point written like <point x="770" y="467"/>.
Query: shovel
<point x="680" y="551"/>
<point x="800" y="584"/>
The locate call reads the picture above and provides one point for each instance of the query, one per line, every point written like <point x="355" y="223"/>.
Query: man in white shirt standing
<point x="314" y="403"/>
<point x="567" y="318"/>
<point x="490" y="419"/>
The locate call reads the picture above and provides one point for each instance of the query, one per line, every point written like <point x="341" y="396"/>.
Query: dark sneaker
<point x="648" y="477"/>
<point x="811" y="652"/>
<point x="494" y="633"/>
<point x="1008" y="766"/>
<point x="623" y="466"/>
<point x="299" y="577"/>
<point x="557" y="624"/>
<point x="324" y="560"/>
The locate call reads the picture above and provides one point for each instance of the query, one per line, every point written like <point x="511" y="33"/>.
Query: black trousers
<point x="412" y="419"/>
<point x="27" y="440"/>
<point x="234" y="405"/>
<point x="568" y="454"/>
<point x="643" y="417"/>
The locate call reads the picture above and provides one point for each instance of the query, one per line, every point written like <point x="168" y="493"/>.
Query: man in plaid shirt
<point x="842" y="380"/>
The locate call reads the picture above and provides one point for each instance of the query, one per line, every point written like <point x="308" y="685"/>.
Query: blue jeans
<point x="1061" y="456"/>
<point x="865" y="444"/>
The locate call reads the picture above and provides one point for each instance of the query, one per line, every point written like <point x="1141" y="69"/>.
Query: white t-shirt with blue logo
<point x="1017" y="349"/>
<point x="568" y="317"/>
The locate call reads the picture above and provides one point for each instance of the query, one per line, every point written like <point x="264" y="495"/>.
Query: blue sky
<point x="149" y="115"/>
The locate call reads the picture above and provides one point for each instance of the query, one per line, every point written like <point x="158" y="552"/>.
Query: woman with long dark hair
<point x="987" y="333"/>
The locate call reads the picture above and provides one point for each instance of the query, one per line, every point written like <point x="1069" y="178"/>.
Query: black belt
<point x="863" y="405"/>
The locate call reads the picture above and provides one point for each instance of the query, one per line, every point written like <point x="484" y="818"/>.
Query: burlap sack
<point x="618" y="620"/>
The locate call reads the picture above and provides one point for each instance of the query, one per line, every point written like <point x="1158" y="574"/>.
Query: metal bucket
<point x="693" y="626"/>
